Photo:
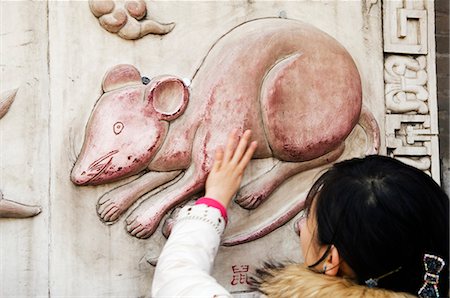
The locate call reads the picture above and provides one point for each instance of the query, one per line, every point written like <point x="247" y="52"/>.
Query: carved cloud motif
<point x="127" y="18"/>
<point x="293" y="85"/>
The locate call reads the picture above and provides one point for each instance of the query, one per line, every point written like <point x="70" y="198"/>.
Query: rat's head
<point x="128" y="125"/>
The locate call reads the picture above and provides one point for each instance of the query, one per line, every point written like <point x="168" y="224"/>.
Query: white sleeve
<point x="185" y="263"/>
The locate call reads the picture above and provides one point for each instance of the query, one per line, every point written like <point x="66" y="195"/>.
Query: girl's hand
<point x="225" y="177"/>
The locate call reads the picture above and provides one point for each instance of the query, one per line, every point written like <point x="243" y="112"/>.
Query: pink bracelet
<point x="215" y="204"/>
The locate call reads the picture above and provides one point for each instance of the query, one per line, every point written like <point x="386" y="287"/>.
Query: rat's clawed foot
<point x="141" y="226"/>
<point x="111" y="206"/>
<point x="249" y="202"/>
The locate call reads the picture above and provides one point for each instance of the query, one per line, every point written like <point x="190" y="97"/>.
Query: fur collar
<point x="297" y="281"/>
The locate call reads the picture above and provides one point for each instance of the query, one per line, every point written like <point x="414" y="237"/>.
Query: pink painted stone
<point x="293" y="85"/>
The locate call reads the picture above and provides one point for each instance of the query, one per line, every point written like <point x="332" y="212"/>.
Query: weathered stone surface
<point x="67" y="250"/>
<point x="24" y="148"/>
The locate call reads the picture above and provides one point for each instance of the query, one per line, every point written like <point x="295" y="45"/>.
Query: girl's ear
<point x="332" y="262"/>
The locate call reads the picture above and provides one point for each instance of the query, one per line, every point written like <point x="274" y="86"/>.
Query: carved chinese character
<point x="240" y="275"/>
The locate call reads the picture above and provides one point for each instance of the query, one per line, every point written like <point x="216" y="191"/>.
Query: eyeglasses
<point x="300" y="222"/>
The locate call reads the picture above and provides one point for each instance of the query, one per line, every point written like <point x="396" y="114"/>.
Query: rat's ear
<point x="168" y="96"/>
<point x="119" y="76"/>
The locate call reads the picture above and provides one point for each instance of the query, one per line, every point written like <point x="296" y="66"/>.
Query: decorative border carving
<point x="405" y="29"/>
<point x="405" y="89"/>
<point x="410" y="84"/>
<point x="409" y="138"/>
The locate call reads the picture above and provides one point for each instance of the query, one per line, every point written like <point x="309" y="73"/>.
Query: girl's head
<point x="377" y="217"/>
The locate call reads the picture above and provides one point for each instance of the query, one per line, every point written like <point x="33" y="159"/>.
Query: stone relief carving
<point x="405" y="88"/>
<point x="409" y="138"/>
<point x="127" y="18"/>
<point x="411" y="132"/>
<point x="12" y="209"/>
<point x="405" y="28"/>
<point x="6" y="100"/>
<point x="283" y="79"/>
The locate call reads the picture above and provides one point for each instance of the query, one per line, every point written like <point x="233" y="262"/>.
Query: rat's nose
<point x="78" y="176"/>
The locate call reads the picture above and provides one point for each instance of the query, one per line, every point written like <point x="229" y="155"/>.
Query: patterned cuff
<point x="214" y="203"/>
<point x="203" y="213"/>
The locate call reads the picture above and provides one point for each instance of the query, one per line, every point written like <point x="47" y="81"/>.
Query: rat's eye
<point x="118" y="127"/>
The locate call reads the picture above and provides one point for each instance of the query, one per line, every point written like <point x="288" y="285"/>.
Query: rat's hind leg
<point x="255" y="193"/>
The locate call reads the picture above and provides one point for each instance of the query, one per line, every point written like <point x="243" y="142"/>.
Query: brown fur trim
<point x="297" y="281"/>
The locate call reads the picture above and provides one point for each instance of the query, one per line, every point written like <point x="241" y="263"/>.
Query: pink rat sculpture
<point x="293" y="85"/>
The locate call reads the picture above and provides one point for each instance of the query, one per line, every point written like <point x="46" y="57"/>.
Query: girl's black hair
<point x="381" y="215"/>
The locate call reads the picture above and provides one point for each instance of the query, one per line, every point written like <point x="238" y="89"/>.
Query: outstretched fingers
<point x="225" y="177"/>
<point x="218" y="158"/>
<point x="241" y="147"/>
<point x="231" y="145"/>
<point x="247" y="156"/>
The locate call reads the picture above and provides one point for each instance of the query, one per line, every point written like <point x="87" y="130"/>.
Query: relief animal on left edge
<point x="293" y="85"/>
<point x="11" y="209"/>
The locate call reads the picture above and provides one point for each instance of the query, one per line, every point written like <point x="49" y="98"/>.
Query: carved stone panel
<point x="127" y="132"/>
<point x="80" y="245"/>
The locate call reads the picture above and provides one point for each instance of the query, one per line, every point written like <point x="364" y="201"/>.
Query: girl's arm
<point x="186" y="261"/>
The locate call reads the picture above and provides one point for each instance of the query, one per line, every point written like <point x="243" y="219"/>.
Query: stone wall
<point x="56" y="54"/>
<point x="442" y="68"/>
